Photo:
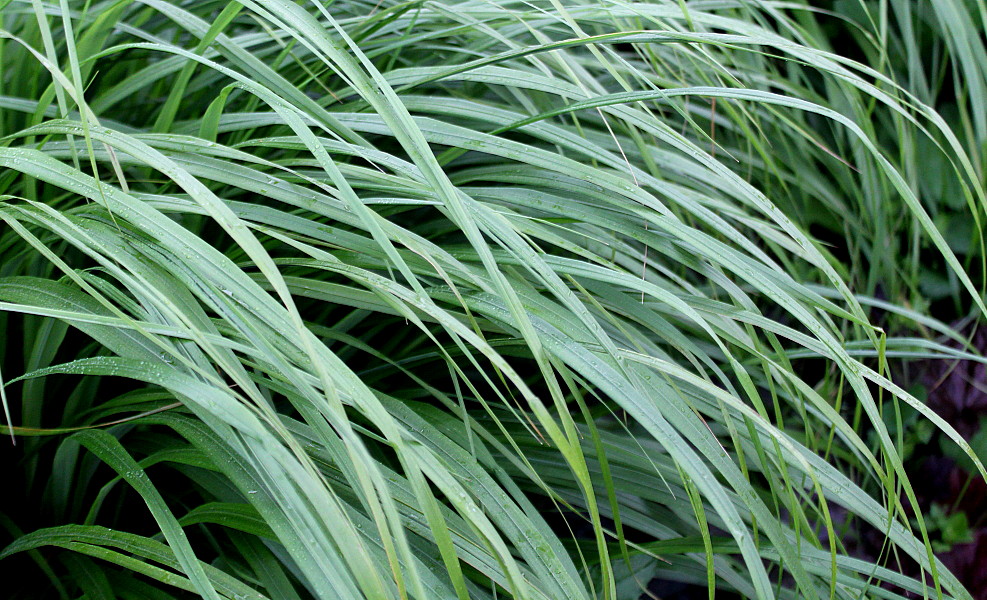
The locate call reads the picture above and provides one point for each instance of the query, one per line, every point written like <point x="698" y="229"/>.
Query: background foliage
<point x="482" y="299"/>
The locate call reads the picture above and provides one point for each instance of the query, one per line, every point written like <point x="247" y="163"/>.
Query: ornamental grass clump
<point x="484" y="299"/>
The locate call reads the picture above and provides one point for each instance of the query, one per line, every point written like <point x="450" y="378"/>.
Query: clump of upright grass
<point x="464" y="299"/>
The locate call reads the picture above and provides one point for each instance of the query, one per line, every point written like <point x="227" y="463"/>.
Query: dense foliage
<point x="548" y="299"/>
